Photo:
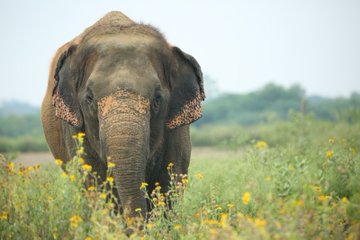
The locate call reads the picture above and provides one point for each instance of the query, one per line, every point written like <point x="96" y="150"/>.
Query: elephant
<point x="133" y="95"/>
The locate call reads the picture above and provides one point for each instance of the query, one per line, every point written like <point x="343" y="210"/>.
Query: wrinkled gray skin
<point x="115" y="56"/>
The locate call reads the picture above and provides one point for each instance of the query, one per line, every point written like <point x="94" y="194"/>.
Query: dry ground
<point x="32" y="158"/>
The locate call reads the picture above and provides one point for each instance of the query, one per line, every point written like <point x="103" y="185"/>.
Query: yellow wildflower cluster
<point x="324" y="198"/>
<point x="231" y="205"/>
<point x="11" y="167"/>
<point x="329" y="153"/>
<point x="86" y="167"/>
<point x="199" y="175"/>
<point x="111" y="165"/>
<point x="169" y="166"/>
<point x="80" y="151"/>
<point x="79" y="137"/>
<point x="345" y="200"/>
<point x="3" y="215"/>
<point x="59" y="162"/>
<point x="246" y="198"/>
<point x="143" y="185"/>
<point x="261" y="145"/>
<point x="75" y="220"/>
<point x="22" y="171"/>
<point x="110" y="180"/>
<point x="260" y="223"/>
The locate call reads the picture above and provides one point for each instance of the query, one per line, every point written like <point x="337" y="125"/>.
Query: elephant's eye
<point x="89" y="99"/>
<point x="156" y="102"/>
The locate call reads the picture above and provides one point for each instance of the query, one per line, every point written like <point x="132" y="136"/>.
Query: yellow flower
<point x="50" y="198"/>
<point x="329" y="153"/>
<point x="143" y="185"/>
<point x="75" y="220"/>
<point x="64" y="175"/>
<point x="218" y="207"/>
<point x="331" y="140"/>
<point x="323" y="198"/>
<point x="230" y="206"/>
<point x="72" y="178"/>
<point x="29" y="168"/>
<point x="103" y="195"/>
<point x="157" y="188"/>
<point x="246" y="198"/>
<point x="80" y="151"/>
<point x="150" y="225"/>
<point x="161" y="203"/>
<point x="260" y="223"/>
<point x="37" y="166"/>
<point x="199" y="175"/>
<point x="169" y="166"/>
<point x="80" y="137"/>
<point x="185" y="180"/>
<point x="261" y="145"/>
<point x="138" y="210"/>
<point x="345" y="200"/>
<point x="91" y="188"/>
<point x="177" y="226"/>
<point x="81" y="134"/>
<point x="88" y="238"/>
<point x="4" y="216"/>
<point x="21" y="172"/>
<point x="81" y="160"/>
<point x="86" y="167"/>
<point x="111" y="165"/>
<point x="11" y="167"/>
<point x="58" y="162"/>
<point x="110" y="179"/>
<point x="223" y="219"/>
<point x="210" y="222"/>
<point x="299" y="202"/>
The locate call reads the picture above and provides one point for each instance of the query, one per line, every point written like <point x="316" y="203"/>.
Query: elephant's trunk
<point x="124" y="130"/>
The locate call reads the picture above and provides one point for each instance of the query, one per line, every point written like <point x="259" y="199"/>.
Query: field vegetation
<point x="295" y="179"/>
<point x="271" y="164"/>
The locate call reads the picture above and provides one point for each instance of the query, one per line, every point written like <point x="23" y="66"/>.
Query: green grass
<point x="306" y="185"/>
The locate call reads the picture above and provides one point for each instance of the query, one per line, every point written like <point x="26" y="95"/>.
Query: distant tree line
<point x="22" y="133"/>
<point x="273" y="102"/>
<point x="21" y="130"/>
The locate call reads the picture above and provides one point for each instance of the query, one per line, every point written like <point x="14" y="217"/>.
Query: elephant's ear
<point x="64" y="97"/>
<point x="187" y="90"/>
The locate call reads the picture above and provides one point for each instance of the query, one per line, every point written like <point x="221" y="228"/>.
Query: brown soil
<point x="32" y="158"/>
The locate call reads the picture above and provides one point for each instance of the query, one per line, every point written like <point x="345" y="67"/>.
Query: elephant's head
<point x="126" y="89"/>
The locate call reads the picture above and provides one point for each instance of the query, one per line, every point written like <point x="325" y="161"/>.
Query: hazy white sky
<point x="241" y="44"/>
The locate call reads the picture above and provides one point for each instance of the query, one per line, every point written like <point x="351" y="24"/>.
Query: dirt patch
<point x="207" y="153"/>
<point x="32" y="158"/>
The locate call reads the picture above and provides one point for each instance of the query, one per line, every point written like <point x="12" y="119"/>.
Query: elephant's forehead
<point x="139" y="78"/>
<point x="125" y="100"/>
<point x="125" y="41"/>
